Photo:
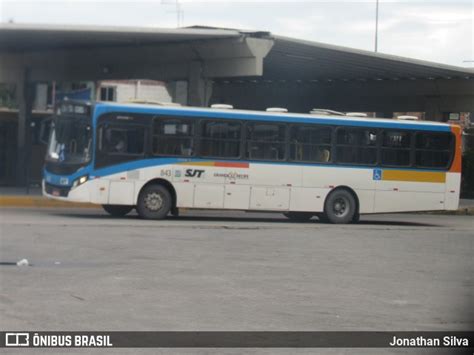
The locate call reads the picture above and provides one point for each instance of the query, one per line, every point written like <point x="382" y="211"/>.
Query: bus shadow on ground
<point x="244" y="219"/>
<point x="287" y="221"/>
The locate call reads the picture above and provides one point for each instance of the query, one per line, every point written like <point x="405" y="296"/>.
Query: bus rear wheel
<point x="154" y="202"/>
<point x="340" y="207"/>
<point x="117" y="210"/>
<point x="299" y="216"/>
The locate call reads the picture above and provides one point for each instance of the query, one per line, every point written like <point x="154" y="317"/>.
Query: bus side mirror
<point x="45" y="130"/>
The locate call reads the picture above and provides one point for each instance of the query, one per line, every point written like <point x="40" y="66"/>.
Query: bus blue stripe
<point x="288" y="118"/>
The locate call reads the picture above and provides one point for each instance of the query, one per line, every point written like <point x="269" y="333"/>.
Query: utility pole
<point x="179" y="14"/>
<point x="178" y="9"/>
<point x="376" y="24"/>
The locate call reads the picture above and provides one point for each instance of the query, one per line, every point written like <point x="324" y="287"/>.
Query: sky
<point x="438" y="30"/>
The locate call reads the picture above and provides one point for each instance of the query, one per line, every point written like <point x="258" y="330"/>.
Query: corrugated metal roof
<point x="289" y="59"/>
<point x="24" y="37"/>
<point x="297" y="59"/>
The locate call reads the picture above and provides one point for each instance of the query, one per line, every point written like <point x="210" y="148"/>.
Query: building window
<point x="173" y="136"/>
<point x="108" y="93"/>
<point x="220" y="139"/>
<point x="396" y="148"/>
<point x="356" y="146"/>
<point x="266" y="141"/>
<point x="310" y="143"/>
<point x="433" y="150"/>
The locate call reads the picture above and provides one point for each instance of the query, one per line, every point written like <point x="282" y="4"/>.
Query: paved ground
<point x="235" y="271"/>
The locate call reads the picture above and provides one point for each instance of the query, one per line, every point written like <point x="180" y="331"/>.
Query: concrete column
<point x="178" y="90"/>
<point x="137" y="89"/>
<point x="25" y="97"/>
<point x="41" y="91"/>
<point x="433" y="109"/>
<point x="199" y="87"/>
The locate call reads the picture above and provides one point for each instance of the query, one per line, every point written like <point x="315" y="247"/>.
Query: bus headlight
<point x="80" y="181"/>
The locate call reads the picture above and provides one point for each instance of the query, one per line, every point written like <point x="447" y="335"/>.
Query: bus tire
<point x="340" y="207"/>
<point x="299" y="216"/>
<point x="356" y="218"/>
<point x="154" y="202"/>
<point x="117" y="210"/>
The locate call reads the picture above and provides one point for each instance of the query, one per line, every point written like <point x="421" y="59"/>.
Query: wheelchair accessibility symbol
<point x="377" y="174"/>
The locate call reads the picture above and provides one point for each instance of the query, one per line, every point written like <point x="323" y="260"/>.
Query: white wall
<point x="133" y="91"/>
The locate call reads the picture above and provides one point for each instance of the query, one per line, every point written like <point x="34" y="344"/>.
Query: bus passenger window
<point x="173" y="136"/>
<point x="396" y="148"/>
<point x="356" y="146"/>
<point x="123" y="140"/>
<point x="265" y="141"/>
<point x="220" y="139"/>
<point x="310" y="144"/>
<point x="119" y="143"/>
<point x="433" y="150"/>
<point x="115" y="141"/>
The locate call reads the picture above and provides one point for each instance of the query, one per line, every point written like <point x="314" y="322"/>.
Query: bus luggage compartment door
<point x="237" y="197"/>
<point x="270" y="198"/>
<point x="208" y="196"/>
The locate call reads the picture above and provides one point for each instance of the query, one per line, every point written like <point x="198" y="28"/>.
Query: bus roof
<point x="109" y="107"/>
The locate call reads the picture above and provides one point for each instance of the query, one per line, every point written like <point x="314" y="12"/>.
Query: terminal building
<point x="200" y="66"/>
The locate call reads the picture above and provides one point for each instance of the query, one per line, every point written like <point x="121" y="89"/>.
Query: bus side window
<point x="433" y="150"/>
<point x="310" y="143"/>
<point x="220" y="139"/>
<point x="356" y="145"/>
<point x="118" y="143"/>
<point x="266" y="141"/>
<point x="116" y="140"/>
<point x="173" y="136"/>
<point x="396" y="148"/>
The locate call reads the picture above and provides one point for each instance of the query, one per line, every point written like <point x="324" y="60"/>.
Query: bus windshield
<point x="70" y="140"/>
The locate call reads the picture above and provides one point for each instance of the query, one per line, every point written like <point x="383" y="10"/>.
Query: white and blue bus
<point x="158" y="159"/>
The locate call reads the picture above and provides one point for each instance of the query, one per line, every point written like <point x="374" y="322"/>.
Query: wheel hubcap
<point x="341" y="207"/>
<point x="153" y="201"/>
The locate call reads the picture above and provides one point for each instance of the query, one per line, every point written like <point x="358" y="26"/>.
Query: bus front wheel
<point x="117" y="210"/>
<point x="154" y="202"/>
<point x="340" y="207"/>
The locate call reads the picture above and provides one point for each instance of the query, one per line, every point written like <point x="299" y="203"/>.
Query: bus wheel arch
<point x="341" y="190"/>
<point x="165" y="190"/>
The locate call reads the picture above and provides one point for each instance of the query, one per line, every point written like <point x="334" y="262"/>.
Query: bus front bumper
<point x="79" y="193"/>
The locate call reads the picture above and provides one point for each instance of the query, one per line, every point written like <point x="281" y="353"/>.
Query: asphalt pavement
<point x="234" y="271"/>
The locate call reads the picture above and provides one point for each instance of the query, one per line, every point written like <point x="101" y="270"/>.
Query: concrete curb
<point x="40" y="202"/>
